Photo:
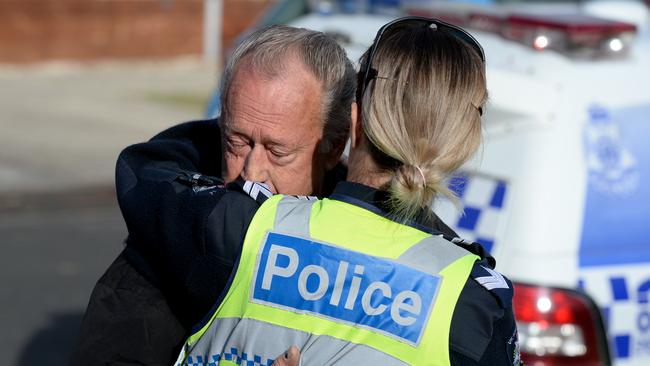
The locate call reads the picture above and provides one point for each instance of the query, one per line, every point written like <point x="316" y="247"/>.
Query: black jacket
<point x="185" y="234"/>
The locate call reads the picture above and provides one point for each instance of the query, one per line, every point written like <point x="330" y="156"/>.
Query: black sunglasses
<point x="370" y="73"/>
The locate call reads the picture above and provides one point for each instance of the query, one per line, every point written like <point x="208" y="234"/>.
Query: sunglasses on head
<point x="370" y="73"/>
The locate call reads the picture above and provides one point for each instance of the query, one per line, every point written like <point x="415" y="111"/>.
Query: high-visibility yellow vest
<point x="343" y="284"/>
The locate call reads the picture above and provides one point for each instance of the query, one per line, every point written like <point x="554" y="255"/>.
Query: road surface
<point x="51" y="257"/>
<point x="61" y="128"/>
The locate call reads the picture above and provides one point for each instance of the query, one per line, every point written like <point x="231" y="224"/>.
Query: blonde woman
<point x="370" y="276"/>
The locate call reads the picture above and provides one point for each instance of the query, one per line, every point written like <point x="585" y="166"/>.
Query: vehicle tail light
<point x="559" y="327"/>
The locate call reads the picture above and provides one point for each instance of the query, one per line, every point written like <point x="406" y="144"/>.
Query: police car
<point x="559" y="192"/>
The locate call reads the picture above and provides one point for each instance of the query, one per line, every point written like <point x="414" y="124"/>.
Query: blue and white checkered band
<point x="240" y="358"/>
<point x="614" y="255"/>
<point x="483" y="199"/>
<point x="623" y="293"/>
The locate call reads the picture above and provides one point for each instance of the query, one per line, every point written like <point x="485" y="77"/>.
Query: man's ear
<point x="334" y="156"/>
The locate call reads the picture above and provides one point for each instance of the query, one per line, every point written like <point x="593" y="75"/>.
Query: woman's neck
<point x="363" y="169"/>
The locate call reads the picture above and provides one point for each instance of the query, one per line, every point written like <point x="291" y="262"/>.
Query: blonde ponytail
<point x="421" y="112"/>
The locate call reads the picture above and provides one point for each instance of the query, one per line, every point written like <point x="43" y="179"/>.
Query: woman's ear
<point x="356" y="130"/>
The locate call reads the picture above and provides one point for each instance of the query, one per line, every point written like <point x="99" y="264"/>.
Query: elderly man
<point x="287" y="101"/>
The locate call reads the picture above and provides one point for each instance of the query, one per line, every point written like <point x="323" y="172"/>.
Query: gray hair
<point x="267" y="51"/>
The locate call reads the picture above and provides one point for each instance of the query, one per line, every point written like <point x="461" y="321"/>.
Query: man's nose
<point x="256" y="165"/>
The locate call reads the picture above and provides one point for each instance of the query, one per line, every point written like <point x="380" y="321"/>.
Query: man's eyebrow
<point x="281" y="144"/>
<point x="226" y="125"/>
<point x="229" y="129"/>
<point x="271" y="143"/>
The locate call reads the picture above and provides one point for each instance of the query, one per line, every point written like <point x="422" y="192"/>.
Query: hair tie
<point x="424" y="180"/>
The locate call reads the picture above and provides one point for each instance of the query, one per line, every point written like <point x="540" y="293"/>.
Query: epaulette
<point x="496" y="283"/>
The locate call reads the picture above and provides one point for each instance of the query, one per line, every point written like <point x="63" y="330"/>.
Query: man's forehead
<point x="288" y="101"/>
<point x="291" y="70"/>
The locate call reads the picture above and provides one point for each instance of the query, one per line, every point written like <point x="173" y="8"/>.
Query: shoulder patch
<point x="260" y="192"/>
<point x="496" y="283"/>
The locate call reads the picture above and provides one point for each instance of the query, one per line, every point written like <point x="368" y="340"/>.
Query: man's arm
<point x="185" y="229"/>
<point x="171" y="272"/>
<point x="149" y="183"/>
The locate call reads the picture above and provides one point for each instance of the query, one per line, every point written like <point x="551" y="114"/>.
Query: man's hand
<point x="290" y="358"/>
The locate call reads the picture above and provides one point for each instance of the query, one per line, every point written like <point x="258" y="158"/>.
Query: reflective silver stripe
<point x="253" y="340"/>
<point x="292" y="216"/>
<point x="432" y="254"/>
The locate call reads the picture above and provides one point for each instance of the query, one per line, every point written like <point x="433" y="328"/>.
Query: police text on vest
<point x="344" y="286"/>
